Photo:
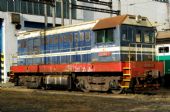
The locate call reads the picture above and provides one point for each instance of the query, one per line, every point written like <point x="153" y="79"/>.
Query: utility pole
<point x="119" y="7"/>
<point x="111" y="6"/>
<point x="168" y="15"/>
<point x="70" y="12"/>
<point x="54" y="13"/>
<point x="103" y="10"/>
<point x="62" y="12"/>
<point x="45" y="16"/>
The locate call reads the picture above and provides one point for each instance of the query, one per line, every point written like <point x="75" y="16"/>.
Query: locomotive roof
<point x="123" y="19"/>
<point x="104" y="23"/>
<point x="163" y="34"/>
<point x="163" y="37"/>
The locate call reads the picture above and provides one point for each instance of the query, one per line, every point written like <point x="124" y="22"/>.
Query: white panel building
<point x="157" y="12"/>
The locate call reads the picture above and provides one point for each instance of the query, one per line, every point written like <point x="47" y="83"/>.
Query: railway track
<point x="160" y="93"/>
<point x="77" y="101"/>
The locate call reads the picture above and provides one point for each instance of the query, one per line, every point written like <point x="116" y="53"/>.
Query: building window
<point x="3" y="5"/>
<point x="10" y="5"/>
<point x="23" y="7"/>
<point x="163" y="49"/>
<point x="17" y="4"/>
<point x="36" y="8"/>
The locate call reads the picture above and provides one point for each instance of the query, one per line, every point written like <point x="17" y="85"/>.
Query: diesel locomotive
<point x="111" y="54"/>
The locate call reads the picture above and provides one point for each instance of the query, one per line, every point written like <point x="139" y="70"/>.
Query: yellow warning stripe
<point x="2" y="66"/>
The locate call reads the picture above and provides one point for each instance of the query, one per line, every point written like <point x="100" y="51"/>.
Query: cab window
<point x="124" y="35"/>
<point x="138" y="35"/>
<point x="148" y="37"/>
<point x="127" y="33"/>
<point x="163" y="49"/>
<point x="109" y="35"/>
<point x="104" y="36"/>
<point x="100" y="34"/>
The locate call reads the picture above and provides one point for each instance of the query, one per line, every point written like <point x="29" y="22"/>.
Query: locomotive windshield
<point x="149" y="36"/>
<point x="137" y="34"/>
<point x="138" y="41"/>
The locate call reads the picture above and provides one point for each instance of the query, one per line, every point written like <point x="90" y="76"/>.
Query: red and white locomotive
<point x="111" y="54"/>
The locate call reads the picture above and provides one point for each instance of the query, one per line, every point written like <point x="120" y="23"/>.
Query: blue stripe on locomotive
<point x="56" y="43"/>
<point x="85" y="58"/>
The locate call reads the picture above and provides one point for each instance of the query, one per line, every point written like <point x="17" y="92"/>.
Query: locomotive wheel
<point x="116" y="87"/>
<point x="82" y="86"/>
<point x="84" y="89"/>
<point x="44" y="87"/>
<point x="117" y="91"/>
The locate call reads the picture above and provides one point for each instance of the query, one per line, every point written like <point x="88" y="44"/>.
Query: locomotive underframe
<point x="86" y="82"/>
<point x="71" y="81"/>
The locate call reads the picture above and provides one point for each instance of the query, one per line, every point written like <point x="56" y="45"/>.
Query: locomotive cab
<point x="131" y="42"/>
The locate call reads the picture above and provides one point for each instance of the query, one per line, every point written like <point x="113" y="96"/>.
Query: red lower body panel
<point x="136" y="68"/>
<point x="140" y="68"/>
<point x="86" y="67"/>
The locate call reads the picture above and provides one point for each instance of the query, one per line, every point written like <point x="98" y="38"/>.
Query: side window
<point x="76" y="37"/>
<point x="87" y="36"/>
<point x="124" y="35"/>
<point x="146" y="37"/>
<point x="42" y="41"/>
<point x="36" y="44"/>
<point x="138" y="36"/>
<point x="163" y="49"/>
<point x="70" y="37"/>
<point x="23" y="43"/>
<point x="130" y="34"/>
<point x="65" y="37"/>
<point x="61" y="39"/>
<point x="19" y="44"/>
<point x="104" y="36"/>
<point x="81" y="36"/>
<point x="109" y="35"/>
<point x="100" y="34"/>
<point x="149" y="36"/>
<point x="50" y="40"/>
<point x="56" y="40"/>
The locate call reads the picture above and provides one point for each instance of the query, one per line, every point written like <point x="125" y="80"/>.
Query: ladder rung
<point x="126" y="80"/>
<point x="127" y="68"/>
<point x="124" y="86"/>
<point x="126" y="74"/>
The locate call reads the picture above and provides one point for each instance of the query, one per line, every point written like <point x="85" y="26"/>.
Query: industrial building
<point x="19" y="15"/>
